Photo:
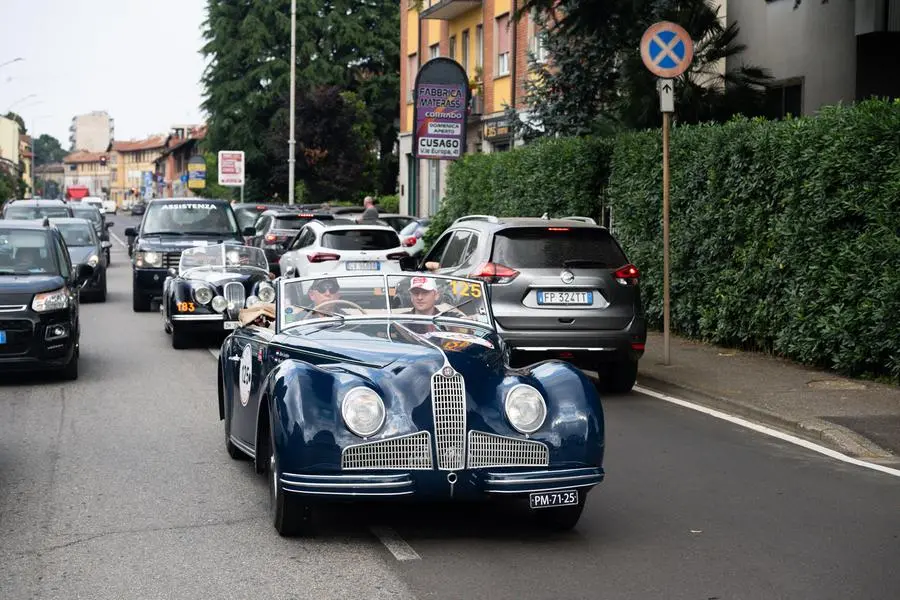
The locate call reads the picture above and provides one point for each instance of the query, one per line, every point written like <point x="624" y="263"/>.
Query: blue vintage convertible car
<point x="367" y="386"/>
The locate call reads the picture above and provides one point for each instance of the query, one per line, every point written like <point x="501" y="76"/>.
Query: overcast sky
<point x="137" y="60"/>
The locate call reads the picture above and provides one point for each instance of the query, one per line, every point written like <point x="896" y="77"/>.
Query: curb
<point x="813" y="429"/>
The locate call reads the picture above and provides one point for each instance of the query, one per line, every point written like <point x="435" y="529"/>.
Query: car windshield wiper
<point x="223" y="233"/>
<point x="163" y="233"/>
<point x="584" y="262"/>
<point x="7" y="271"/>
<point x="463" y="303"/>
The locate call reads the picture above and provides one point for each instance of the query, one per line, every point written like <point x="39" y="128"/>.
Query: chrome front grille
<point x="171" y="259"/>
<point x="489" y="450"/>
<point x="409" y="452"/>
<point x="234" y="294"/>
<point x="448" y="397"/>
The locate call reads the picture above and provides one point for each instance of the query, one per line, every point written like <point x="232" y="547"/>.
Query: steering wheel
<point x="311" y="312"/>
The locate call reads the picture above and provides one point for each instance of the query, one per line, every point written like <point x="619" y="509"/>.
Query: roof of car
<point x="347" y="224"/>
<point x="194" y="200"/>
<point x="41" y="202"/>
<point x="292" y="212"/>
<point x="22" y="224"/>
<point x="491" y="223"/>
<point x="65" y="220"/>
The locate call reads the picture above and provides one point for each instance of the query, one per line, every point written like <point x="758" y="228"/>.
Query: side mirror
<point x="409" y="263"/>
<point x="105" y="244"/>
<point x="249" y="231"/>
<point x="173" y="272"/>
<point x="109" y="224"/>
<point x="130" y="232"/>
<point x="289" y="272"/>
<point x="83" y="272"/>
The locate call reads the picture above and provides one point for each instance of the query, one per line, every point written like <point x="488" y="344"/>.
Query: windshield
<point x="414" y="297"/>
<point x="24" y="252"/>
<point x="36" y="212"/>
<point x="221" y="257"/>
<point x="199" y="218"/>
<point x="91" y="214"/>
<point x="246" y="217"/>
<point x="360" y="239"/>
<point x="77" y="234"/>
<point x="411" y="228"/>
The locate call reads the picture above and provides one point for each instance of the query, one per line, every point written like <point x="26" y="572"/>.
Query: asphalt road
<point x="118" y="486"/>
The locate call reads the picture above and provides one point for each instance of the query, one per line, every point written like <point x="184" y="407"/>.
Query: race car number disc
<point x="246" y="374"/>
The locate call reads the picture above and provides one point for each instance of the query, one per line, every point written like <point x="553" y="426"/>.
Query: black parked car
<point x="36" y="209"/>
<point x="170" y="227"/>
<point x="139" y="208"/>
<point x="101" y="225"/>
<point x="85" y="249"/>
<point x="276" y="228"/>
<point x="39" y="327"/>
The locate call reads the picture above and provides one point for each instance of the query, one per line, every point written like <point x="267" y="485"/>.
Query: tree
<point x="597" y="83"/>
<point x="47" y="149"/>
<point x="335" y="145"/>
<point x="353" y="44"/>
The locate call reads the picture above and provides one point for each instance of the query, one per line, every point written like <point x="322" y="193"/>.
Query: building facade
<point x="26" y="164"/>
<point x="50" y="180"/>
<point x="494" y="50"/>
<point x="132" y="165"/>
<point x="90" y="170"/>
<point x="820" y="53"/>
<point x="172" y="164"/>
<point x="9" y="144"/>
<point x="92" y="132"/>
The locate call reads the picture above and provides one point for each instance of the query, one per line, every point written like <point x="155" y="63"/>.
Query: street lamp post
<point x="291" y="141"/>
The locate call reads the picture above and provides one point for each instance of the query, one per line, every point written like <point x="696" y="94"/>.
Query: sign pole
<point x="667" y="51"/>
<point x="665" y="151"/>
<point x="293" y="106"/>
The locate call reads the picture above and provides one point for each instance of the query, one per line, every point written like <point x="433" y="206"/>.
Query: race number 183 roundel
<point x="246" y="374"/>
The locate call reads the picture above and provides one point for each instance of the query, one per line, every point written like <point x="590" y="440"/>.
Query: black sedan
<point x="85" y="248"/>
<point x="39" y="327"/>
<point x="101" y="225"/>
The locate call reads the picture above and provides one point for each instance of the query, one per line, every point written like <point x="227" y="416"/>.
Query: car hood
<point x="172" y="243"/>
<point x="80" y="254"/>
<point x="366" y="344"/>
<point x="19" y="289"/>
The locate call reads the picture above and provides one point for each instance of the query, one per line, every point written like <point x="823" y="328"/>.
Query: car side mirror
<point x="290" y="271"/>
<point x="249" y="231"/>
<point x="104" y="244"/>
<point x="83" y="272"/>
<point x="109" y="224"/>
<point x="130" y="232"/>
<point x="409" y="263"/>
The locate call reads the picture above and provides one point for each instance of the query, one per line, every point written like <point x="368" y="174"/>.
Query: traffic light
<point x="102" y="161"/>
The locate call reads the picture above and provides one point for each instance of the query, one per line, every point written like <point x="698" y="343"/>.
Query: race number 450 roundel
<point x="246" y="374"/>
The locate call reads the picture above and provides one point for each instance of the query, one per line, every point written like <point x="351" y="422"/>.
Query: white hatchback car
<point x="339" y="246"/>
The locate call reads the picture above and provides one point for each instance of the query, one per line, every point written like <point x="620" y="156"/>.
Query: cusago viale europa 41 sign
<point x="442" y="102"/>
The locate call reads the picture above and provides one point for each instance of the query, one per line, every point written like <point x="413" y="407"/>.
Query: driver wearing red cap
<point x="424" y="296"/>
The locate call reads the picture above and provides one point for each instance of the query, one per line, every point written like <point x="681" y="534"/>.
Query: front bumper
<point x="28" y="347"/>
<point x="203" y="323"/>
<point x="149" y="282"/>
<point x="469" y="484"/>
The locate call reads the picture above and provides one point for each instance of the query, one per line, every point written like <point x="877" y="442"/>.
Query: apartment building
<point x="26" y="164"/>
<point x="820" y="53"/>
<point x="91" y="132"/>
<point x="494" y="51"/>
<point x="89" y="170"/>
<point x="132" y="165"/>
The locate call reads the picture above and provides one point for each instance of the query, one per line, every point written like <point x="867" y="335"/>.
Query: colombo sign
<point x="441" y="99"/>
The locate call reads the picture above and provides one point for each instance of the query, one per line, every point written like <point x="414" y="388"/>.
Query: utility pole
<point x="292" y="141"/>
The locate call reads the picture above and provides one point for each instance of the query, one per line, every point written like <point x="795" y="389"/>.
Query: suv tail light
<point x="323" y="257"/>
<point x="494" y="273"/>
<point x="271" y="238"/>
<point x="627" y="275"/>
<point x="410" y="241"/>
<point x="397" y="255"/>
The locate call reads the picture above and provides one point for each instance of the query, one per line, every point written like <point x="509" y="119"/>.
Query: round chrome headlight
<point x="363" y="411"/>
<point x="203" y="294"/>
<point x="93" y="260"/>
<point x="525" y="408"/>
<point x="219" y="304"/>
<point x="252" y="301"/>
<point x="266" y="293"/>
<point x="154" y="259"/>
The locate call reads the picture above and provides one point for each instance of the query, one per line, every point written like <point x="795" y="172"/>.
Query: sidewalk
<point x="856" y="417"/>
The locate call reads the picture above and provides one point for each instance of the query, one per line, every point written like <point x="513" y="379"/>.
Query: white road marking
<point x="118" y="239"/>
<point x="768" y="431"/>
<point x="215" y="352"/>
<point x="396" y="544"/>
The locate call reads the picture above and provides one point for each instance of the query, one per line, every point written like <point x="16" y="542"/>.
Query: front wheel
<point x="70" y="371"/>
<point x="139" y="302"/>
<point x="179" y="338"/>
<point x="563" y="518"/>
<point x="290" y="515"/>
<point x="618" y="377"/>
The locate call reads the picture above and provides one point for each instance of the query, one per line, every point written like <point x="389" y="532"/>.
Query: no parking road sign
<point x="667" y="49"/>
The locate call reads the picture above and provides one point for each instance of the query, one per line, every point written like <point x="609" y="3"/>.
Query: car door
<point x="295" y="256"/>
<point x="453" y="254"/>
<point x="245" y="359"/>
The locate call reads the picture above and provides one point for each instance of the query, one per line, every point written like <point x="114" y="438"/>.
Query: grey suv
<point x="559" y="288"/>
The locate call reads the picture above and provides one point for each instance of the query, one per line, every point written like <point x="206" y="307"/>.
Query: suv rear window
<point x="546" y="247"/>
<point x="360" y="239"/>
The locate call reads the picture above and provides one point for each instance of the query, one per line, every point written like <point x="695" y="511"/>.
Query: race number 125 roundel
<point x="246" y="374"/>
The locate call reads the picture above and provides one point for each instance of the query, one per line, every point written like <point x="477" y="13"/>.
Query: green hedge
<point x="561" y="176"/>
<point x="785" y="235"/>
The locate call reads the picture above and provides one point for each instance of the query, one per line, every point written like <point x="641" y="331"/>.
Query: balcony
<point x="447" y="10"/>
